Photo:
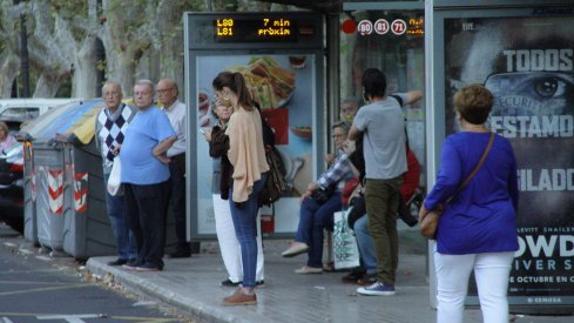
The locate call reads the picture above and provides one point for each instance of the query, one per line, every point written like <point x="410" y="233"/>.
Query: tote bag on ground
<point x="345" y="250"/>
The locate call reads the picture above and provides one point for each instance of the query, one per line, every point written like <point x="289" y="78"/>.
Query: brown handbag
<point x="429" y="221"/>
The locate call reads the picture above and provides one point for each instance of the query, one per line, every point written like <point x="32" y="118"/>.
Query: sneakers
<point x="306" y="270"/>
<point x="377" y="289"/>
<point x="240" y="298"/>
<point x="118" y="262"/>
<point x="295" y="249"/>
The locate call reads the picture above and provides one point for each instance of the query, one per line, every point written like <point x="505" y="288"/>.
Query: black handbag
<point x="359" y="210"/>
<point x="322" y="195"/>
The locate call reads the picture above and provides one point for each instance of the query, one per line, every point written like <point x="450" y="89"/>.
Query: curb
<point x="198" y="310"/>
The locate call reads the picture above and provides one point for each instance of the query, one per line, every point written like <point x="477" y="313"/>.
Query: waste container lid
<point x="64" y="120"/>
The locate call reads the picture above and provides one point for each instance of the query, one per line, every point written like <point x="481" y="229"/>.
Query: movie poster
<point x="528" y="64"/>
<point x="284" y="87"/>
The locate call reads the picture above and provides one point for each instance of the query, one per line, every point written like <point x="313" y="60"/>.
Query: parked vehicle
<point x="15" y="112"/>
<point x="11" y="187"/>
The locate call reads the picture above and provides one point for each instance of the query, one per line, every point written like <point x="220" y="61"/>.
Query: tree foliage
<point x="141" y="38"/>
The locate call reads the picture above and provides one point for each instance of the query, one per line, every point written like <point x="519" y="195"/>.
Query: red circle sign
<point x="349" y="26"/>
<point x="399" y="27"/>
<point x="381" y="26"/>
<point x="365" y="27"/>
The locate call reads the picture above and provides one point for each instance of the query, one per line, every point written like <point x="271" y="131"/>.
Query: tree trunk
<point x="9" y="64"/>
<point x="148" y="66"/>
<point x="47" y="85"/>
<point x="85" y="78"/>
<point x="121" y="69"/>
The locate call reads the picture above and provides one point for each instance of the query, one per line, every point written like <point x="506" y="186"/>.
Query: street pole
<point x="24" y="57"/>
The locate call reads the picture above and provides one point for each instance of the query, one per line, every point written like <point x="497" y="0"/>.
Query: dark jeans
<point x="245" y="222"/>
<point x="177" y="201"/>
<point x="146" y="207"/>
<point x="125" y="241"/>
<point x="313" y="218"/>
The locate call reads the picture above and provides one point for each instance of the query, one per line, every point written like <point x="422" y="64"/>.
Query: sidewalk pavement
<point x="192" y="284"/>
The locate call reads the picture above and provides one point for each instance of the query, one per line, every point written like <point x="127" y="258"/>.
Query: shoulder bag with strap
<point x="429" y="221"/>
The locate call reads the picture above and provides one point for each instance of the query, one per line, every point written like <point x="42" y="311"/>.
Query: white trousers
<point x="229" y="245"/>
<point x="491" y="271"/>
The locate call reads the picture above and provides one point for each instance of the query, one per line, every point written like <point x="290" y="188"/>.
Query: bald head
<point x="166" y="92"/>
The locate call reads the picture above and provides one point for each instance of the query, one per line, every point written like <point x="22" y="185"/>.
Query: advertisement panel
<point x="284" y="86"/>
<point x="528" y="64"/>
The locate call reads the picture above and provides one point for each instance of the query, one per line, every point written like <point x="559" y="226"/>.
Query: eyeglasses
<point x="161" y="91"/>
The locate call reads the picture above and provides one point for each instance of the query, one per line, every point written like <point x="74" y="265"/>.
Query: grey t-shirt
<point x="383" y="125"/>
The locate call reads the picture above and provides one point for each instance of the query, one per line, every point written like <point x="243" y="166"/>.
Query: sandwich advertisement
<point x="283" y="87"/>
<point x="528" y="64"/>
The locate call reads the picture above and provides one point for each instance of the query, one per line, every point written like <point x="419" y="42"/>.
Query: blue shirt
<point x="482" y="217"/>
<point x="139" y="166"/>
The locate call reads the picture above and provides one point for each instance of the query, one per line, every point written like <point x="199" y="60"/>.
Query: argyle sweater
<point x="110" y="132"/>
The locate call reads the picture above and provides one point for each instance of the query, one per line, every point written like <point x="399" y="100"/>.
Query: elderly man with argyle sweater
<point x="111" y="125"/>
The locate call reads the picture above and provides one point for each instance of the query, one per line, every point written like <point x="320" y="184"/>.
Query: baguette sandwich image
<point x="270" y="84"/>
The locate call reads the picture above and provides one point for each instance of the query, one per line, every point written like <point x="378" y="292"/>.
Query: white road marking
<point x="69" y="318"/>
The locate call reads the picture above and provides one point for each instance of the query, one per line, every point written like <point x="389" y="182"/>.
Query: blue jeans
<point x="313" y="218"/>
<point x="125" y="241"/>
<point x="245" y="221"/>
<point x="366" y="244"/>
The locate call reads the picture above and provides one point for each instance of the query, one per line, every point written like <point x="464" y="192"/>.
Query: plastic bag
<point x="114" y="181"/>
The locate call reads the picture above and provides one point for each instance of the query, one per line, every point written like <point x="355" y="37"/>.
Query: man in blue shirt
<point x="145" y="175"/>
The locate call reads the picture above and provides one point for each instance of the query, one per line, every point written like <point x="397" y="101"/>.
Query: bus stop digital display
<point x="255" y="29"/>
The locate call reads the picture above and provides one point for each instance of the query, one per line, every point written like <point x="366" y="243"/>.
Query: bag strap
<point x="476" y="168"/>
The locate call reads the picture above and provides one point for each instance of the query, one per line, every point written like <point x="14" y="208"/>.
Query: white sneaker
<point x="295" y="249"/>
<point x="306" y="270"/>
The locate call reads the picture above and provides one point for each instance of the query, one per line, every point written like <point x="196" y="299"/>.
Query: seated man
<point x="318" y="206"/>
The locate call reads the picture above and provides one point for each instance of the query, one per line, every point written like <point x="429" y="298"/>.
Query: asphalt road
<point x="39" y="288"/>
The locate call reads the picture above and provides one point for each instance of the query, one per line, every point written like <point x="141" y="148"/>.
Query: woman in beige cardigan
<point x="247" y="156"/>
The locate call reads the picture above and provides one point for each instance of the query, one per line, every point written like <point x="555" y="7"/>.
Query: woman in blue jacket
<point x="477" y="231"/>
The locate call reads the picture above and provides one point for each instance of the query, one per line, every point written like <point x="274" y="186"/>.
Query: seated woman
<point x="316" y="213"/>
<point x="6" y="139"/>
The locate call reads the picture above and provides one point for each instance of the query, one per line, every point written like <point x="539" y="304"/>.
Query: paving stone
<point x="193" y="285"/>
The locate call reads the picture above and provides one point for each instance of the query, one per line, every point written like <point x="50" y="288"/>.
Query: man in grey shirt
<point x="384" y="148"/>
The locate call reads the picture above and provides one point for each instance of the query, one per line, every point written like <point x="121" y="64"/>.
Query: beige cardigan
<point x="246" y="152"/>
